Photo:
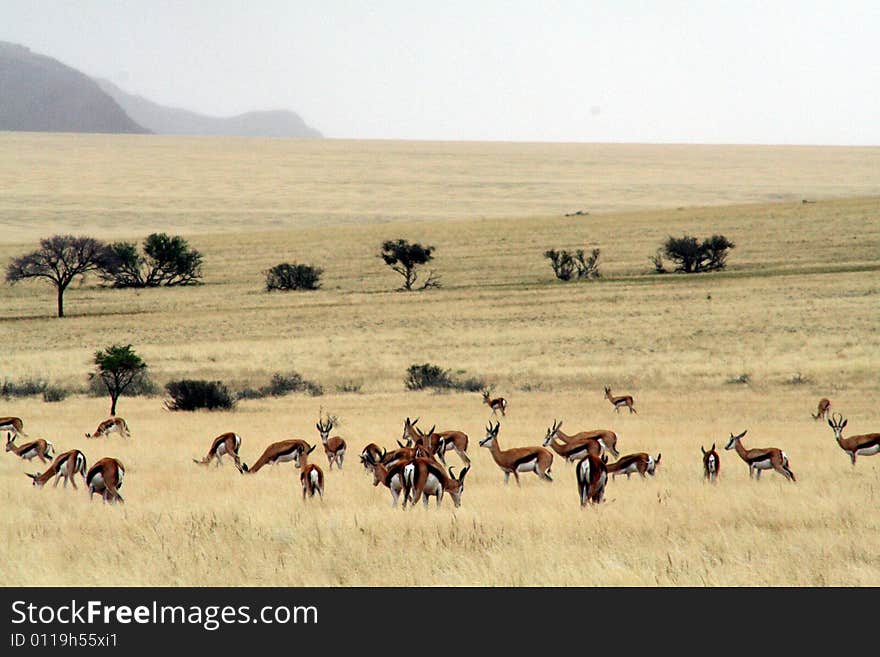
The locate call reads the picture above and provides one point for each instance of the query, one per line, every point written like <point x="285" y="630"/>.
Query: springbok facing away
<point x="40" y="448"/>
<point x="334" y="447"/>
<point x="390" y="476"/>
<point x="437" y="442"/>
<point x="105" y="477"/>
<point x="822" y="410"/>
<point x="496" y="404"/>
<point x="226" y="443"/>
<point x="623" y="400"/>
<point x="631" y="463"/>
<point x="423" y="477"/>
<point x="762" y="458"/>
<point x="311" y="477"/>
<point x="110" y="425"/>
<point x="280" y="452"/>
<point x="866" y="444"/>
<point x="592" y="475"/>
<point x="518" y="459"/>
<point x="13" y="424"/>
<point x="711" y="464"/>
<point x="65" y="466"/>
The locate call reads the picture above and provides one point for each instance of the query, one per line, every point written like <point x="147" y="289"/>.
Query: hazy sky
<point x="650" y="71"/>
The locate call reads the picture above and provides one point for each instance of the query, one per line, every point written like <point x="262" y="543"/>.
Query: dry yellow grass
<point x="801" y="295"/>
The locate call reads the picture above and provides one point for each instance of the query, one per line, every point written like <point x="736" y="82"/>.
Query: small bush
<point x="286" y="276"/>
<point x="580" y="265"/>
<point x="22" y="388"/>
<point x="189" y="395"/>
<point x="55" y="394"/>
<point x="426" y="375"/>
<point x="799" y="380"/>
<point x="742" y="379"/>
<point x="282" y="384"/>
<point x="692" y="256"/>
<point x="349" y="387"/>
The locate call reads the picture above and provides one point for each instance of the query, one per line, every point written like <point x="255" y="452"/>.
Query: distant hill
<point x="40" y="94"/>
<point x="175" y="121"/>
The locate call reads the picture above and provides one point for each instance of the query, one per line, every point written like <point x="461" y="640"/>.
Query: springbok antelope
<point x="496" y="404"/>
<point x="604" y="439"/>
<point x="372" y="452"/>
<point x="105" y="477"/>
<point x="311" y="477"/>
<point x="390" y="476"/>
<point x="65" y="466"/>
<point x="334" y="447"/>
<point x="822" y="410"/>
<point x="631" y="463"/>
<point x="592" y="475"/>
<point x="711" y="464"/>
<point x="424" y="477"/>
<point x="280" y="452"/>
<point x="437" y="442"/>
<point x="518" y="459"/>
<point x="226" y="443"/>
<point x="763" y="458"/>
<point x="618" y="402"/>
<point x="110" y="425"/>
<point x="866" y="444"/>
<point x="40" y="448"/>
<point x="13" y="424"/>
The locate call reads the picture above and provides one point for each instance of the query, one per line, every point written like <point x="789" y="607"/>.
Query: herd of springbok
<point x="417" y="467"/>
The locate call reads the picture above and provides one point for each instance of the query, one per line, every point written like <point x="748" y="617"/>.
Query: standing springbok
<point x="631" y="463"/>
<point x="822" y="410"/>
<point x="437" y="442"/>
<point x="592" y="475"/>
<point x="280" y="452"/>
<point x="65" y="466"/>
<point x="372" y="453"/>
<point x="424" y="477"/>
<point x="390" y="476"/>
<point x="40" y="448"/>
<point x="573" y="447"/>
<point x="711" y="464"/>
<point x="105" y="477"/>
<point x="226" y="443"/>
<point x="311" y="477"/>
<point x="618" y="402"/>
<point x="110" y="425"/>
<point x="334" y="447"/>
<point x="496" y="404"/>
<point x="518" y="459"/>
<point x="762" y="458"/>
<point x="606" y="437"/>
<point x="13" y="424"/>
<point x="866" y="444"/>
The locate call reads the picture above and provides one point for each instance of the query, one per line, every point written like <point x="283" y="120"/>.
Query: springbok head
<point x="456" y="490"/>
<point x="491" y="435"/>
<point x="551" y="432"/>
<point x="732" y="442"/>
<point x="837" y="423"/>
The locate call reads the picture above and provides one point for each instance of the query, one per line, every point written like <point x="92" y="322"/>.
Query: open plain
<point x="793" y="318"/>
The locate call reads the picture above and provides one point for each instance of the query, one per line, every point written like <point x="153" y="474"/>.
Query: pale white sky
<point x="663" y="71"/>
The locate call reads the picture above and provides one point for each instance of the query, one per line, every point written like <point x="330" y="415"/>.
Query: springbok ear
<point x="844" y="424"/>
<point x="657" y="459"/>
<point x="32" y="475"/>
<point x="311" y="449"/>
<point x="713" y="447"/>
<point x="703" y="450"/>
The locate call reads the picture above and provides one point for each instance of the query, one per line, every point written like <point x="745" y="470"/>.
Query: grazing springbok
<point x="496" y="404"/>
<point x="311" y="477"/>
<point x="110" y="425"/>
<point x="372" y="453"/>
<point x="822" y="410"/>
<point x="573" y="450"/>
<point x="13" y="424"/>
<point x="711" y="464"/>
<point x="280" y="452"/>
<point x="390" y="476"/>
<point x="437" y="442"/>
<point x="763" y="458"/>
<point x="334" y="447"/>
<point x="592" y="475"/>
<point x="424" y="477"/>
<point x="631" y="463"/>
<point x="866" y="444"/>
<point x="65" y="466"/>
<point x="606" y="437"/>
<point x="518" y="459"/>
<point x="618" y="402"/>
<point x="226" y="443"/>
<point x="40" y="448"/>
<point x="105" y="477"/>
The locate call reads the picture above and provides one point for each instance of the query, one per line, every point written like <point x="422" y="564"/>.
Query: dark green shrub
<point x="189" y="395"/>
<point x="287" y="276"/>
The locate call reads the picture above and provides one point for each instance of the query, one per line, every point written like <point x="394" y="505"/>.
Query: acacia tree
<point x="692" y="256"/>
<point x="406" y="258"/>
<point x="117" y="366"/>
<point x="166" y="261"/>
<point x="60" y="259"/>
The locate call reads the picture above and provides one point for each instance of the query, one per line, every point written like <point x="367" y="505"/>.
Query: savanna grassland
<point x="796" y="311"/>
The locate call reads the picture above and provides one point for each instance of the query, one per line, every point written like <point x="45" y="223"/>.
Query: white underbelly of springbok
<point x="528" y="466"/>
<point x="868" y="451"/>
<point x="432" y="485"/>
<point x="762" y="465"/>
